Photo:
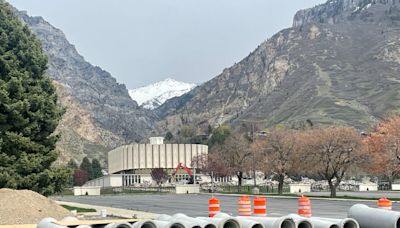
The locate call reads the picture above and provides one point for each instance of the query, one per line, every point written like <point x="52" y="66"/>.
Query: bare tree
<point x="211" y="164"/>
<point x="159" y="175"/>
<point x="331" y="152"/>
<point x="278" y="153"/>
<point x="236" y="153"/>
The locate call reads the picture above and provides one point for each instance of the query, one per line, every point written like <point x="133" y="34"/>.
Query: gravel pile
<point x="27" y="207"/>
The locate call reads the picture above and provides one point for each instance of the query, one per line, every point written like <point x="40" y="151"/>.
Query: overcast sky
<point x="144" y="41"/>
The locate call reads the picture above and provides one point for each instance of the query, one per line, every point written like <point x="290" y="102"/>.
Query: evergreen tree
<point x="96" y="168"/>
<point x="72" y="164"/>
<point x="168" y="137"/>
<point x="29" y="113"/>
<point x="86" y="165"/>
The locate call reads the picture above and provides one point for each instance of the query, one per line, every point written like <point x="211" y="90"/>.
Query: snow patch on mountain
<point x="156" y="94"/>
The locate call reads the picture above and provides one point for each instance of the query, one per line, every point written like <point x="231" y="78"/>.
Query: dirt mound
<point x="27" y="207"/>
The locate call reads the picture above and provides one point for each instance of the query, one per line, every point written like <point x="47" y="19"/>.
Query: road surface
<point x="197" y="205"/>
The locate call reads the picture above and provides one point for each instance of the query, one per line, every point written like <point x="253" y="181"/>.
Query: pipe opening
<point x="231" y="224"/>
<point x="398" y="223"/>
<point x="196" y="226"/>
<point x="177" y="225"/>
<point x="148" y="225"/>
<point x="287" y="224"/>
<point x="257" y="226"/>
<point x="210" y="226"/>
<point x="121" y="225"/>
<point x="334" y="226"/>
<point x="304" y="224"/>
<point x="352" y="224"/>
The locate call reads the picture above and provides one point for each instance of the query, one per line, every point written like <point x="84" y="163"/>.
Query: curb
<point x="296" y="197"/>
<point x="124" y="213"/>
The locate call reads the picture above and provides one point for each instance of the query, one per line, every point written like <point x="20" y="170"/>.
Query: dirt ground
<point x="27" y="207"/>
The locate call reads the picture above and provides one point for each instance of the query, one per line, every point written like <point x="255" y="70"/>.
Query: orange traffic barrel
<point x="304" y="207"/>
<point x="384" y="203"/>
<point x="244" y="206"/>
<point x="213" y="207"/>
<point x="260" y="206"/>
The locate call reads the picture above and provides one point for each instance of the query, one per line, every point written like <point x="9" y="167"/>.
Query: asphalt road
<point x="197" y="205"/>
<point x="392" y="194"/>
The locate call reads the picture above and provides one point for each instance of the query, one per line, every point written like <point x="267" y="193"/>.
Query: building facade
<point x="131" y="165"/>
<point x="139" y="158"/>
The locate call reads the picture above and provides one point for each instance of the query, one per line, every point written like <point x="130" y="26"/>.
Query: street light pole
<point x="254" y="157"/>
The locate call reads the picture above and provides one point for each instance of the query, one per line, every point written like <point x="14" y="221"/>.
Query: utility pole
<point x="254" y="157"/>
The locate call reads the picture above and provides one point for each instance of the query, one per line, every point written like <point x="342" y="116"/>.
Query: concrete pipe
<point x="275" y="222"/>
<point x="301" y="222"/>
<point x="245" y="222"/>
<point x="343" y="223"/>
<point x="228" y="222"/>
<point x="119" y="225"/>
<point x="70" y="219"/>
<point x="144" y="224"/>
<point x="186" y="221"/>
<point x="48" y="223"/>
<point x="168" y="224"/>
<point x="369" y="217"/>
<point x="199" y="222"/>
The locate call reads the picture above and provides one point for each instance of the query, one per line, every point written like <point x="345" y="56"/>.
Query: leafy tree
<point x="80" y="177"/>
<point x="159" y="175"/>
<point x="29" y="113"/>
<point x="169" y="136"/>
<point x="209" y="130"/>
<point x="331" y="153"/>
<point x="383" y="148"/>
<point x="278" y="154"/>
<point x="235" y="154"/>
<point x="96" y="169"/>
<point x="72" y="164"/>
<point x="219" y="135"/>
<point x="86" y="165"/>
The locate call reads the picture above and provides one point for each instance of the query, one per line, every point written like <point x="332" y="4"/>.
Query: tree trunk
<point x="332" y="187"/>
<point x="239" y="176"/>
<point x="281" y="179"/>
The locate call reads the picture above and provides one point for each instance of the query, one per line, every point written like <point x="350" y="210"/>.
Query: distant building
<point x="131" y="165"/>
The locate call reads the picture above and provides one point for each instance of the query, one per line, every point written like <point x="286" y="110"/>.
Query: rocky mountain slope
<point x="99" y="112"/>
<point x="338" y="64"/>
<point x="154" y="95"/>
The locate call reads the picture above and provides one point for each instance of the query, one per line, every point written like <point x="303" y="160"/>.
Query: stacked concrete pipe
<point x="144" y="224"/>
<point x="301" y="222"/>
<point x="369" y="217"/>
<point x="167" y="221"/>
<point x="48" y="223"/>
<point x="118" y="225"/>
<point x="243" y="221"/>
<point x="274" y="222"/>
<point x="200" y="222"/>
<point x="342" y="223"/>
<point x="223" y="221"/>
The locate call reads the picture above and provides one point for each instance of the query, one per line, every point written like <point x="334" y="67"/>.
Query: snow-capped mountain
<point x="156" y="94"/>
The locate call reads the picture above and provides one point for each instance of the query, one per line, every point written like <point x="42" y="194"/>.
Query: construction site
<point x="26" y="209"/>
<point x="186" y="204"/>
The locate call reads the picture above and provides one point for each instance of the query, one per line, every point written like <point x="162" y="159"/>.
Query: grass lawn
<point x="78" y="209"/>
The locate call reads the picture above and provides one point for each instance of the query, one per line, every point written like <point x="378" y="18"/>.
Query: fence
<point x="248" y="189"/>
<point x="118" y="190"/>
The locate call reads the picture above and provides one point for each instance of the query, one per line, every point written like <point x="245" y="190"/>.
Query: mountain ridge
<point x="105" y="104"/>
<point x="321" y="71"/>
